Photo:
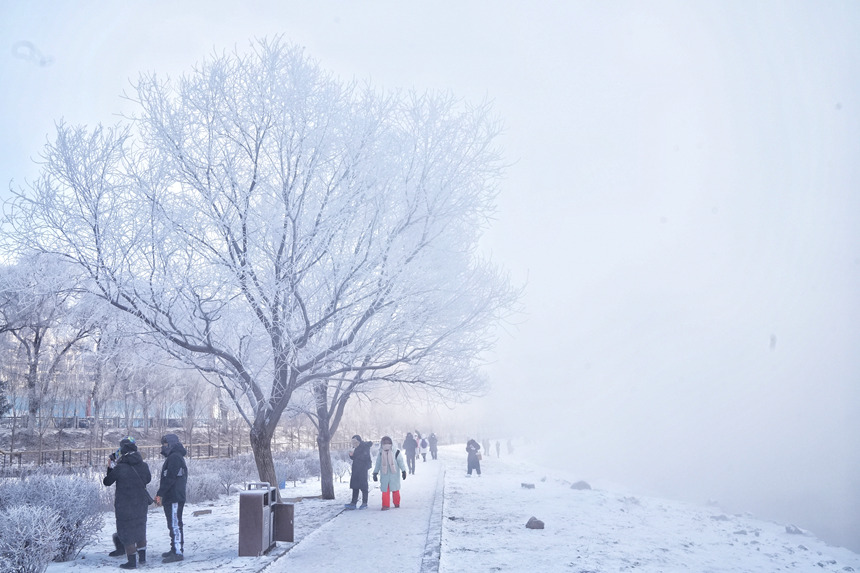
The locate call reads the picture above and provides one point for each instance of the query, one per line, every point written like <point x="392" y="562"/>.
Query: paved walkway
<point x="405" y="539"/>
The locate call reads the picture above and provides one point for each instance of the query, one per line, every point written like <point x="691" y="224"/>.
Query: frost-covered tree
<point x="276" y="226"/>
<point x="41" y="309"/>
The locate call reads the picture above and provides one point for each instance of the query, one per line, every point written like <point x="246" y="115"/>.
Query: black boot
<point x="169" y="553"/>
<point x="173" y="558"/>
<point x="132" y="562"/>
<point x="141" y="555"/>
<point x="120" y="550"/>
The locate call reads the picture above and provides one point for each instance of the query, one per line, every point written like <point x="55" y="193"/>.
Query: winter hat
<point x="358" y="438"/>
<point x="127" y="445"/>
<point x="168" y="442"/>
<point x="385" y="440"/>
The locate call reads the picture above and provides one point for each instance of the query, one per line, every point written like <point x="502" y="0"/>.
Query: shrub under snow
<point x="28" y="540"/>
<point x="74" y="501"/>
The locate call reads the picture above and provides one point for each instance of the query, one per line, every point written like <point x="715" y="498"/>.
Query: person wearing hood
<point x="171" y="494"/>
<point x="361" y="462"/>
<point x="130" y="473"/>
<point x="388" y="470"/>
<point x="434" y="445"/>
<point x="473" y="457"/>
<point x="410" y="444"/>
<point x="424" y="445"/>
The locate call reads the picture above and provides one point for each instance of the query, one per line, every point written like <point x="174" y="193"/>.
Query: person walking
<point x="410" y="445"/>
<point x="424" y="445"/>
<point x="361" y="462"/>
<point x="130" y="473"/>
<point x="498" y="449"/>
<point x="171" y="494"/>
<point x="434" y="445"/>
<point x="389" y="468"/>
<point x="473" y="458"/>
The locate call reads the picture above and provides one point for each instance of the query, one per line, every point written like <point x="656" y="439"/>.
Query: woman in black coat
<point x="472" y="460"/>
<point x="361" y="463"/>
<point x="131" y="474"/>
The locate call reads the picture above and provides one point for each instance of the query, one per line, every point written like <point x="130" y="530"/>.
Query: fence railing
<point x="98" y="457"/>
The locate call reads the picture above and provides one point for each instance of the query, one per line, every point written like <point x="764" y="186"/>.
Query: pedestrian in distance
<point x="389" y="469"/>
<point x="130" y="473"/>
<point x="171" y="494"/>
<point x="410" y="445"/>
<point x="473" y="457"/>
<point x="425" y="446"/>
<point x="361" y="462"/>
<point x="498" y="448"/>
<point x="434" y="445"/>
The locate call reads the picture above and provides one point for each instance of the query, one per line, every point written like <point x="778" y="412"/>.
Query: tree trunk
<point x="326" y="470"/>
<point x="324" y="440"/>
<point x="222" y="413"/>
<point x="145" y="406"/>
<point x="34" y="401"/>
<point x="261" y="445"/>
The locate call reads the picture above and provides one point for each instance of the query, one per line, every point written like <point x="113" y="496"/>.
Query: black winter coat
<point x="174" y="476"/>
<point x="472" y="448"/>
<point x="131" y="475"/>
<point x="410" y="445"/>
<point x="361" y="462"/>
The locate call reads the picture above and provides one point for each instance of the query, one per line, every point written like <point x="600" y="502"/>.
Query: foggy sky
<point x="682" y="205"/>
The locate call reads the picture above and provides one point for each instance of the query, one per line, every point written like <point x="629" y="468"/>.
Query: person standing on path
<point x="171" y="494"/>
<point x="131" y="474"/>
<point x="498" y="448"/>
<point x="388" y="470"/>
<point x="434" y="445"/>
<point x="410" y="445"/>
<point x="361" y="462"/>
<point x="473" y="461"/>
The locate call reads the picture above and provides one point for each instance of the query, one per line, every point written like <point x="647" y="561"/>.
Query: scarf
<point x="389" y="465"/>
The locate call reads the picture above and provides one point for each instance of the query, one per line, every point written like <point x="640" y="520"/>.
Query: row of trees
<point x="295" y="239"/>
<point x="65" y="354"/>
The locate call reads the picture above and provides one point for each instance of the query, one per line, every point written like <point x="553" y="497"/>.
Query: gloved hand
<point x="375" y="477"/>
<point x="403" y="474"/>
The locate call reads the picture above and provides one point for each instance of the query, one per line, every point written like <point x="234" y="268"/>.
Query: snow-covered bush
<point x="28" y="541"/>
<point x="312" y="465"/>
<point x="233" y="471"/>
<point x="290" y="468"/>
<point x="74" y="501"/>
<point x="202" y="486"/>
<point x="341" y="468"/>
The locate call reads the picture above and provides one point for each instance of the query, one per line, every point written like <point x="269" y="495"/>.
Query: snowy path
<point x="407" y="537"/>
<point x="449" y="523"/>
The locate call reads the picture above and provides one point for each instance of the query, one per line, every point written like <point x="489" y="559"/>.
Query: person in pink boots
<point x="388" y="471"/>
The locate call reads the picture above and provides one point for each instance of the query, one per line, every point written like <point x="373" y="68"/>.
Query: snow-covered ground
<point x="451" y="523"/>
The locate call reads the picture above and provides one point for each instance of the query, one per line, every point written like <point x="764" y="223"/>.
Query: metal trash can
<point x="282" y="521"/>
<point x="255" y="519"/>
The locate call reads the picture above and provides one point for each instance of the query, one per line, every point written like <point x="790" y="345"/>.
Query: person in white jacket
<point x="424" y="447"/>
<point x="388" y="471"/>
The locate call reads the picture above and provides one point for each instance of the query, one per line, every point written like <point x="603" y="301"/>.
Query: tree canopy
<point x="276" y="226"/>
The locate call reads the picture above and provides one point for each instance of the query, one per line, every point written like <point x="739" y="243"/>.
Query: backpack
<point x="423" y="442"/>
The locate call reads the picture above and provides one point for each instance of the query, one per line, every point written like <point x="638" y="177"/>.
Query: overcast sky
<point x="683" y="204"/>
